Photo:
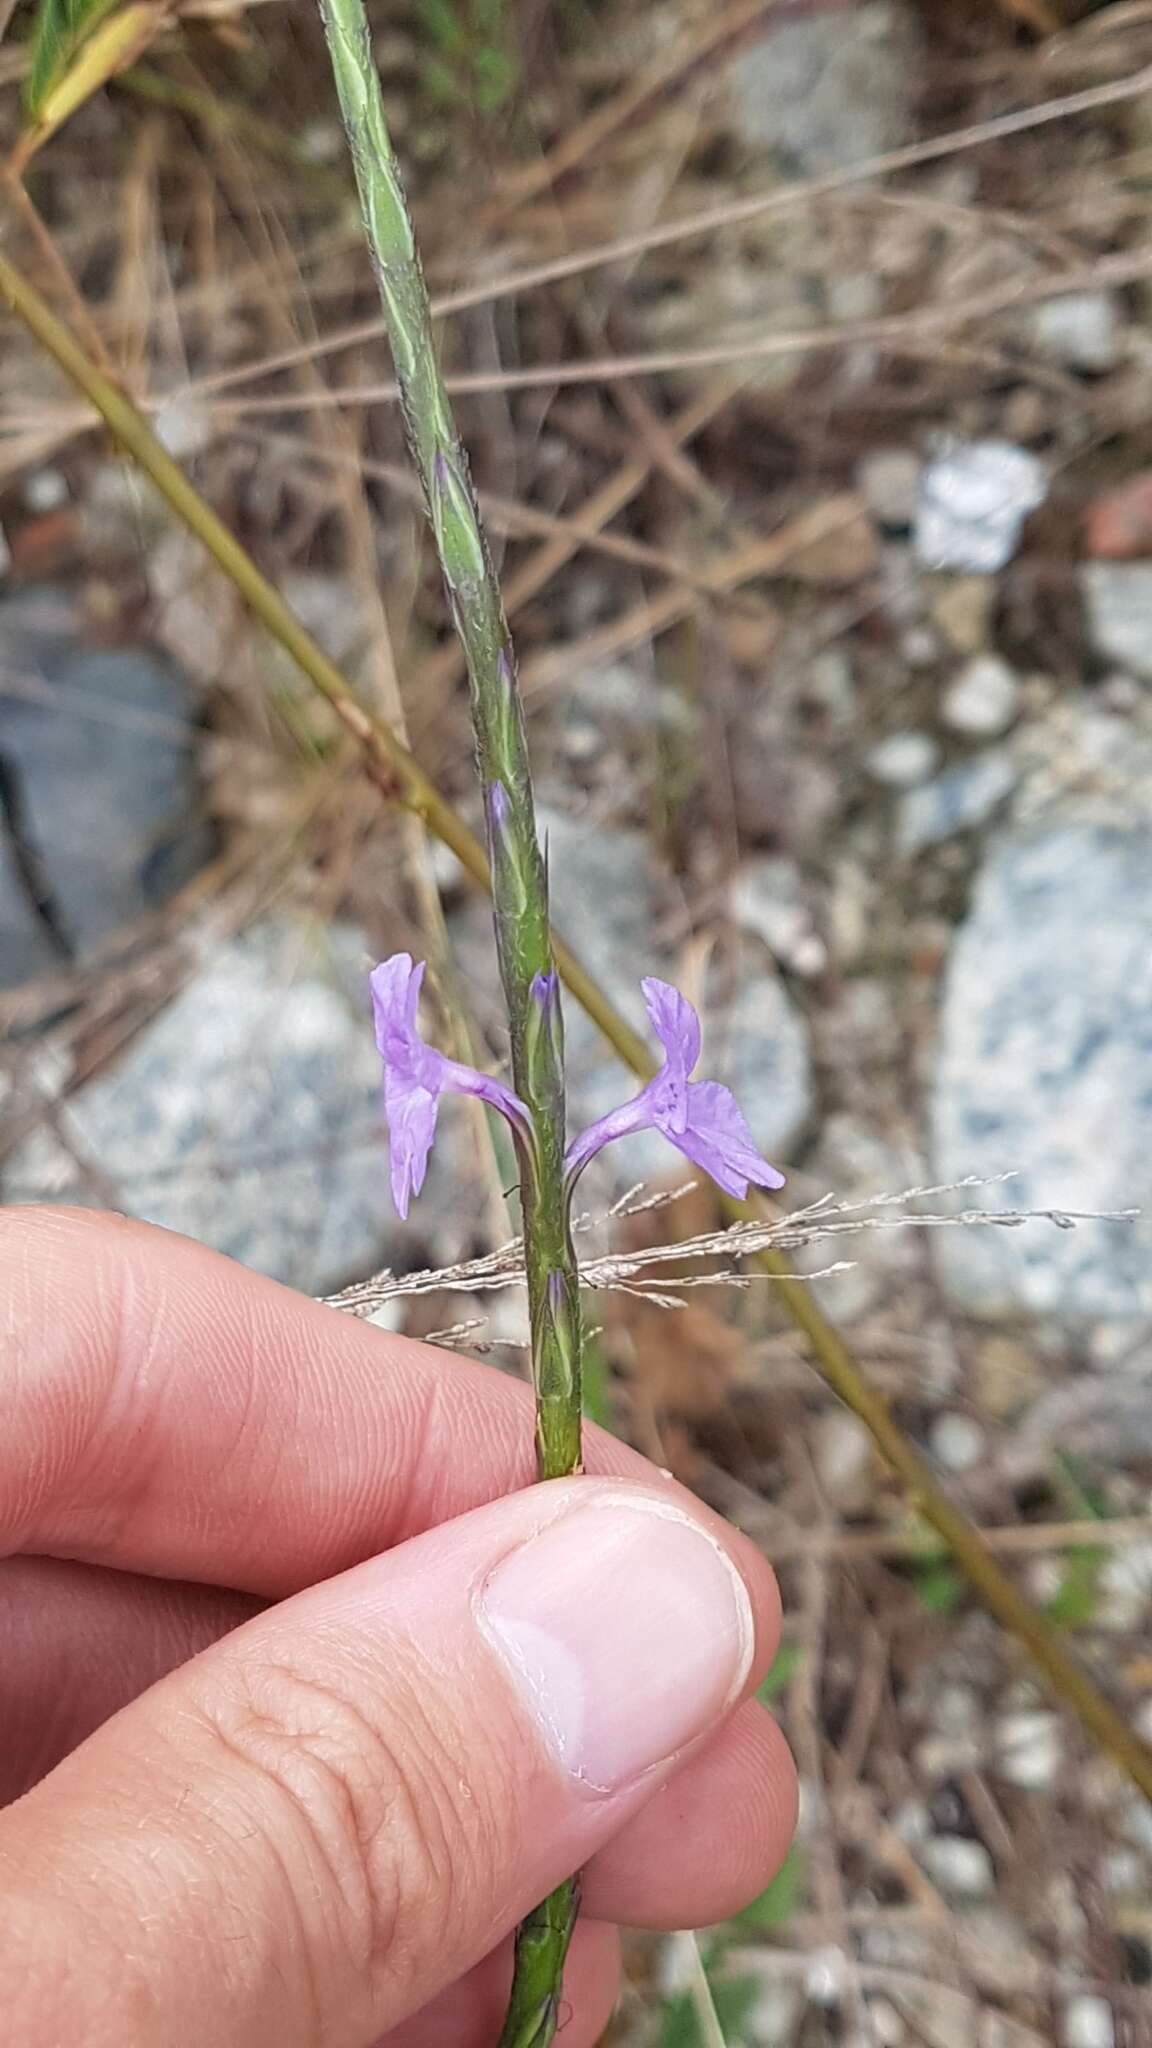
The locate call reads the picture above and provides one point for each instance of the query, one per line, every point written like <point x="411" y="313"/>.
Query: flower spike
<point x="416" y="1076"/>
<point x="701" y="1118"/>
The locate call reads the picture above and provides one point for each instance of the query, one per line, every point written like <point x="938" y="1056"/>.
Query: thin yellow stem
<point x="402" y="781"/>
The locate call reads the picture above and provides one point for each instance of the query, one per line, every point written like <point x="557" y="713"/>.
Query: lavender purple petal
<point x="701" y="1118"/>
<point x="416" y="1075"/>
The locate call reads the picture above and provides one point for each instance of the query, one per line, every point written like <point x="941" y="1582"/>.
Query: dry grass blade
<point x="712" y="220"/>
<point x="825" y="1218"/>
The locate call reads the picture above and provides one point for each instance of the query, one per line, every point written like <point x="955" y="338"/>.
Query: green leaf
<point x="1074" y="1603"/>
<point x="784" y="1664"/>
<point x="939" y="1589"/>
<point x="59" y="29"/>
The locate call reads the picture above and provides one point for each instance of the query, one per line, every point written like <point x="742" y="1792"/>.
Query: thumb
<point x="305" y="1833"/>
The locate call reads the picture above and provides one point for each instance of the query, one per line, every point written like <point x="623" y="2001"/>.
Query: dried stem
<point x="403" y="782"/>
<point x="519" y="879"/>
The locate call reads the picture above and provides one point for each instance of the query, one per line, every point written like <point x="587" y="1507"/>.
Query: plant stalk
<point x="402" y="781"/>
<point x="519" y="878"/>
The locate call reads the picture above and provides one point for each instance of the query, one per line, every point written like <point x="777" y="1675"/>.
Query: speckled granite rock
<point x="1045" y="1067"/>
<point x="248" y="1115"/>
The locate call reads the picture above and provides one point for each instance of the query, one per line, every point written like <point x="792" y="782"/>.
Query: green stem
<point x="519" y="878"/>
<point x="402" y="781"/>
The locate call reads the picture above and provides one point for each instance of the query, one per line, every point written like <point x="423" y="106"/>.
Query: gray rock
<point x="829" y="91"/>
<point x="1044" y="1068"/>
<point x="843" y="1455"/>
<point x="974" y="499"/>
<point x="1082" y="330"/>
<point x="983" y="699"/>
<point x="889" y="482"/>
<point x="957" y="1441"/>
<point x="248" y="1115"/>
<point x="1088" y="2022"/>
<point x="1030" y="1748"/>
<point x="768" y="898"/>
<point x="98" y="749"/>
<point x="903" y="759"/>
<point x="961" y="1867"/>
<point x="1118" y="599"/>
<point x="961" y="799"/>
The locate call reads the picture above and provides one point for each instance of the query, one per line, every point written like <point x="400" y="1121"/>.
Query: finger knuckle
<point x="367" y="1815"/>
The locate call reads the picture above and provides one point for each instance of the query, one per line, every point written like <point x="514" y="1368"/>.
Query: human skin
<point x="309" y="1694"/>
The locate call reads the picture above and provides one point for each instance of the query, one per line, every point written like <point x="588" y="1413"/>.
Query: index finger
<point x="168" y="1411"/>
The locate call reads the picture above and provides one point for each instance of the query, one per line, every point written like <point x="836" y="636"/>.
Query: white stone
<point x="768" y="898"/>
<point x="974" y="499"/>
<point x="903" y="759"/>
<point x="1124" y="1872"/>
<point x="843" y="1455"/>
<point x="983" y="699"/>
<point x="958" y="1442"/>
<point x="889" y="482"/>
<point x="1030" y="1749"/>
<point x="888" y="2029"/>
<point x="1044" y="1069"/>
<point x="960" y="800"/>
<point x="959" y="1866"/>
<point x="824" y="1978"/>
<point x="45" y="490"/>
<point x="1088" y="2022"/>
<point x="184" y="426"/>
<point x="946" y="1756"/>
<point x="322" y="142"/>
<point x="1125" y="1586"/>
<point x="248" y="1115"/>
<point x="1118" y="600"/>
<point x="829" y="91"/>
<point x="1081" y="329"/>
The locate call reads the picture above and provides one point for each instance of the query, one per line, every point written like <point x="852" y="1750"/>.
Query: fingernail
<point x="626" y="1630"/>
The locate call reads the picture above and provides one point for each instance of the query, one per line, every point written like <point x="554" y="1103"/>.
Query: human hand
<point x="312" y="1707"/>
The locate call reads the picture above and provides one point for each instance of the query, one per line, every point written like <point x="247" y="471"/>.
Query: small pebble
<point x="957" y="1442"/>
<point x="1081" y="329"/>
<point x="768" y="898"/>
<point x="1088" y="2022"/>
<point x="961" y="799"/>
<point x="888" y="2029"/>
<point x="940" y="1757"/>
<point x="960" y="1866"/>
<point x="45" y="491"/>
<point x="824" y="1980"/>
<point x="974" y="499"/>
<point x="1123" y="1872"/>
<point x="983" y="699"/>
<point x="184" y="426"/>
<point x="903" y="759"/>
<point x="963" y="611"/>
<point x="842" y="1449"/>
<point x="889" y="483"/>
<point x="1029" y="1749"/>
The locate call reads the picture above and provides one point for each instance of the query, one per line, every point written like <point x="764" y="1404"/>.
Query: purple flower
<point x="416" y="1076"/>
<point x="701" y="1118"/>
